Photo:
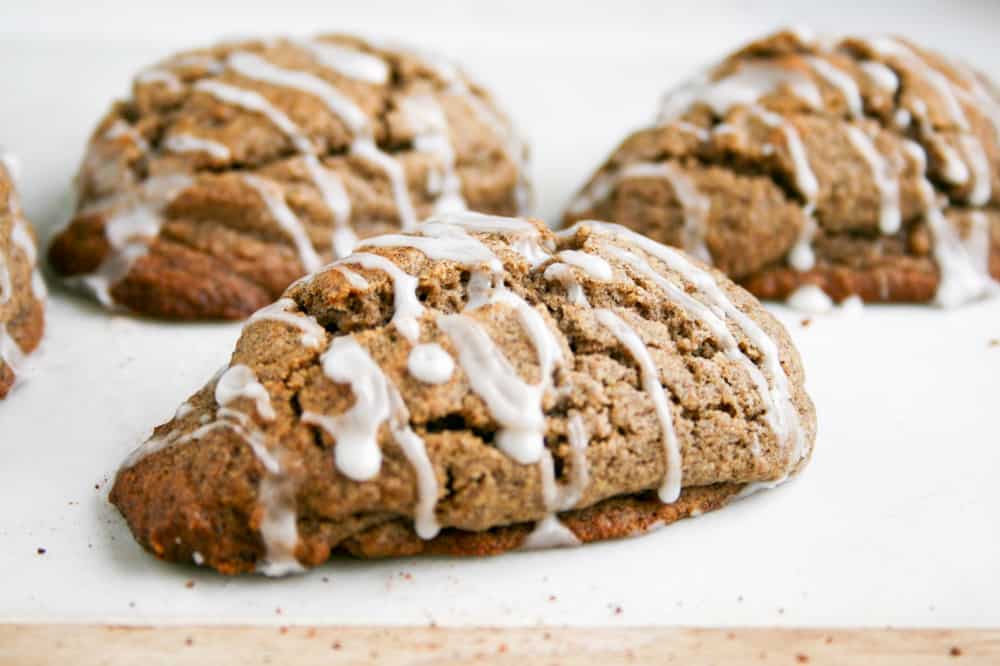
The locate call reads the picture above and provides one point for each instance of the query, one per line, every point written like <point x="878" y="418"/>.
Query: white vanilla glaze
<point x="353" y="278"/>
<point x="842" y="81"/>
<point x="802" y="257"/>
<point x="285" y="310"/>
<point x="515" y="404"/>
<point x="346" y="61"/>
<point x="278" y="526"/>
<point x="408" y="309"/>
<point x="239" y="381"/>
<point x="188" y="143"/>
<point x="430" y="363"/>
<point x="357" y="454"/>
<point x="649" y="376"/>
<point x="979" y="168"/>
<point x="257" y="103"/>
<point x="810" y="299"/>
<point x="882" y="76"/>
<point x="274" y="200"/>
<point x="962" y="277"/>
<point x="430" y="126"/>
<point x="694" y="205"/>
<point x="343" y="240"/>
<point x="776" y="394"/>
<point x="745" y="86"/>
<point x="885" y="177"/>
<point x="376" y="401"/>
<point x="805" y="178"/>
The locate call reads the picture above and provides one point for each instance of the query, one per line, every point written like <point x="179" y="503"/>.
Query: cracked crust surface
<point x="784" y="152"/>
<point x="347" y="138"/>
<point x="22" y="294"/>
<point x="195" y="490"/>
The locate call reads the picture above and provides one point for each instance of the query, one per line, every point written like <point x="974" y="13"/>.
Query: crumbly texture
<point x="741" y="161"/>
<point x="211" y="247"/>
<point x="22" y="311"/>
<point x="203" y="495"/>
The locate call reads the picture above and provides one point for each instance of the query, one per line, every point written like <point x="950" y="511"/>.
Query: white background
<point x="895" y="523"/>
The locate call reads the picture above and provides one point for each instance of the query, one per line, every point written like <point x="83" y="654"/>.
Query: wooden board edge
<point x="92" y="644"/>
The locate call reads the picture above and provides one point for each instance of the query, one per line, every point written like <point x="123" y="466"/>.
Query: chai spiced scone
<point x="867" y="167"/>
<point x="22" y="290"/>
<point x="476" y="385"/>
<point x="233" y="170"/>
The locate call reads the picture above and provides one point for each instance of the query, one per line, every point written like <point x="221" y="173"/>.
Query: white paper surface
<point x="894" y="523"/>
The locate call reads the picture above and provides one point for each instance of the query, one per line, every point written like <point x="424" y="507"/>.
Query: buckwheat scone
<point x="22" y="291"/>
<point x="859" y="167"/>
<point x="233" y="170"/>
<point x="474" y="386"/>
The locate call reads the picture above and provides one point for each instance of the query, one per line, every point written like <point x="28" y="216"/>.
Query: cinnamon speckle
<point x="189" y="584"/>
<point x="802" y="658"/>
<point x="806" y="322"/>
<point x="955" y="651"/>
<point x="282" y="630"/>
<point x="552" y="597"/>
<point x="41" y="551"/>
<point x="336" y="645"/>
<point x="278" y="611"/>
<point x="995" y="342"/>
<point x="829" y="639"/>
<point x="189" y="641"/>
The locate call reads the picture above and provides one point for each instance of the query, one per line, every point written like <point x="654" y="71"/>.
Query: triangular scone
<point x="22" y="290"/>
<point x="231" y="171"/>
<point x="824" y="168"/>
<point x="476" y="386"/>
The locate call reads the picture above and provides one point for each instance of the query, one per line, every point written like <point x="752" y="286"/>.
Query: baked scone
<point x="864" y="167"/>
<point x="233" y="170"/>
<point x="474" y="386"/>
<point x="22" y="290"/>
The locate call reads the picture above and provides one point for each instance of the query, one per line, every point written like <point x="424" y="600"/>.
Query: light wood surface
<point x="86" y="645"/>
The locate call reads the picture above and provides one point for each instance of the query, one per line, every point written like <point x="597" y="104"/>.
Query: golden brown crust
<point x="216" y="248"/>
<point x="741" y="157"/>
<point x="196" y="488"/>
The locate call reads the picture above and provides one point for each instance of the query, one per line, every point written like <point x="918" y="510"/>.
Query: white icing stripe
<point x="278" y="527"/>
<point x="164" y="76"/>
<point x="425" y="522"/>
<point x="979" y="166"/>
<point x="886" y="46"/>
<point x="810" y="299"/>
<point x="6" y="286"/>
<point x="430" y="363"/>
<point x="565" y="275"/>
<point x="979" y="242"/>
<point x="595" y="267"/>
<point x="366" y="149"/>
<point x="331" y="188"/>
<point x="257" y="103"/>
<point x="962" y="278"/>
<point x="285" y="310"/>
<point x="883" y="175"/>
<point x="347" y="61"/>
<point x="274" y="200"/>
<point x="256" y="68"/>
<point x="187" y="143"/>
<point x="441" y="246"/>
<point x="788" y="428"/>
<point x="694" y="205"/>
<point x="356" y="454"/>
<point x="120" y="128"/>
<point x="11" y="353"/>
<point x="355" y="431"/>
<point x="649" y="377"/>
<point x="515" y="404"/>
<point x="805" y="178"/>
<point x="883" y="77"/>
<point x="751" y="82"/>
<point x="802" y="257"/>
<point x="842" y="81"/>
<point x="408" y="308"/>
<point x="430" y="126"/>
<point x="239" y="381"/>
<point x="716" y="325"/>
<point x="353" y="278"/>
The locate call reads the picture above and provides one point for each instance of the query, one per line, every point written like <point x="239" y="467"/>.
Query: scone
<point x="233" y="170"/>
<point x="22" y="291"/>
<point x="476" y="385"/>
<point x="864" y="167"/>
